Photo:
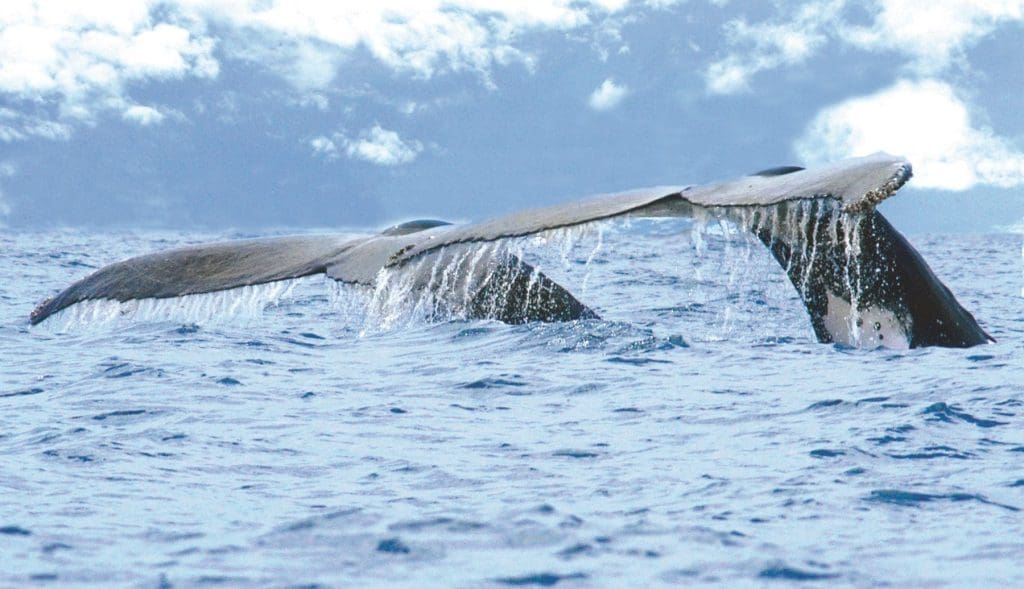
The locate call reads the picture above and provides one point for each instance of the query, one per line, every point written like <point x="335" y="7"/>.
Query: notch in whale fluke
<point x="862" y="282"/>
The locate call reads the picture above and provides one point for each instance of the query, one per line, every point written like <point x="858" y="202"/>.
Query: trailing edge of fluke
<point x="861" y="281"/>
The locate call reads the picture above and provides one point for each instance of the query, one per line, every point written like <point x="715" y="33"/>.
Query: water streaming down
<point x="851" y="293"/>
<point x="718" y="261"/>
<point x="716" y="250"/>
<point x="236" y="304"/>
<point x="696" y="433"/>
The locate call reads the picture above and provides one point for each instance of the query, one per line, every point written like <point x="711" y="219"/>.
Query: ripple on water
<point x="951" y="414"/>
<point x="118" y="413"/>
<point x="310" y="449"/>
<point x="915" y="499"/>
<point x="788" y="573"/>
<point x="540" y="579"/>
<point x="393" y="546"/>
<point x="23" y="393"/>
<point x="497" y="382"/>
<point x="931" y="452"/>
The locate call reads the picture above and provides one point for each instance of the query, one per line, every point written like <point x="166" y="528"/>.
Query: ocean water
<point x="695" y="435"/>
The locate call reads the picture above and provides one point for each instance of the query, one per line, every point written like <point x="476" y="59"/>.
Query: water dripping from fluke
<point x="860" y="281"/>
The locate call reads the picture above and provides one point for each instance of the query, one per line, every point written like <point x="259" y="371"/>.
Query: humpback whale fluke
<point x="862" y="282"/>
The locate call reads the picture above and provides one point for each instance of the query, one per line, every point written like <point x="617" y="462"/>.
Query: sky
<point x="259" y="114"/>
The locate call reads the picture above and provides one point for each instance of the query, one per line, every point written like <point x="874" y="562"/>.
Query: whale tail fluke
<point x="501" y="286"/>
<point x="862" y="282"/>
<point x="199" y="269"/>
<point x="516" y="292"/>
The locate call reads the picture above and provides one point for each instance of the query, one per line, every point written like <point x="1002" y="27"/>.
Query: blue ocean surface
<point x="697" y="434"/>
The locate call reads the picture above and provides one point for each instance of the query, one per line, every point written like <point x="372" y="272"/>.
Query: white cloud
<point x="7" y="170"/>
<point x="376" y="145"/>
<point x="931" y="36"/>
<point x="670" y="3"/>
<point x="382" y="147"/>
<point x="608" y="95"/>
<point x="771" y="45"/>
<point x="65" y="62"/>
<point x="316" y="100"/>
<point x="143" y="115"/>
<point x="307" y="41"/>
<point x="924" y="121"/>
<point x="15" y="126"/>
<point x="324" y="146"/>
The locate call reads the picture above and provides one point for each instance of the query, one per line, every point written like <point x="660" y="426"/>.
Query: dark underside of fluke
<point x="861" y="281"/>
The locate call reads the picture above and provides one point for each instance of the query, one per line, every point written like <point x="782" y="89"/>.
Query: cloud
<point x="376" y="145"/>
<point x="922" y="118"/>
<point x="607" y="96"/>
<point x="7" y="170"/>
<point x="307" y="42"/>
<point x="16" y="126"/>
<point x="670" y="3"/>
<point x="930" y="36"/>
<point x="66" y="63"/>
<point x="382" y="147"/>
<point x="924" y="121"/>
<point x="143" y="115"/>
<point x="770" y="45"/>
<point x="324" y="146"/>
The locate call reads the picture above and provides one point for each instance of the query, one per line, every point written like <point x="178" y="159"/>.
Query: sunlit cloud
<point x="927" y="123"/>
<point x="932" y="34"/>
<point x="769" y="45"/>
<point x="324" y="146"/>
<point x="7" y="170"/>
<point x="382" y="147"/>
<point x="376" y="145"/>
<point x="77" y="60"/>
<point x="16" y="126"/>
<point x="607" y="96"/>
<point x="930" y="37"/>
<point x="922" y="117"/>
<point x="66" y="63"/>
<point x="143" y="115"/>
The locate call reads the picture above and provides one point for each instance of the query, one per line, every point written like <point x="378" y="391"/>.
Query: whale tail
<point x="516" y="292"/>
<point x="498" y="286"/>
<point x="861" y="281"/>
<point x="198" y="270"/>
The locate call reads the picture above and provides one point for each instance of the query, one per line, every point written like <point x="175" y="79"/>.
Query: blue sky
<point x="270" y="113"/>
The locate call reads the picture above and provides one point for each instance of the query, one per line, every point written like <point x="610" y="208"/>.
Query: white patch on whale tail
<point x="867" y="328"/>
